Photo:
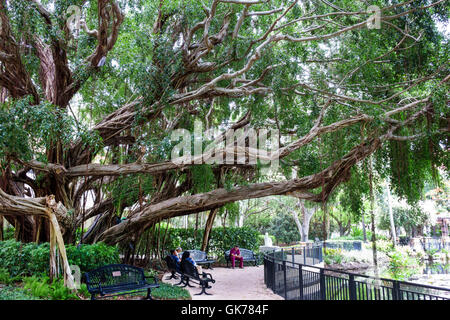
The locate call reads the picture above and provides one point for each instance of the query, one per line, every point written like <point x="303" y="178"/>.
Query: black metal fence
<point x="435" y="244"/>
<point x="296" y="281"/>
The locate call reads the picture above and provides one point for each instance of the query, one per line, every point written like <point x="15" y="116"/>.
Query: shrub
<point x="332" y="256"/>
<point x="41" y="287"/>
<point x="26" y="259"/>
<point x="401" y="266"/>
<point x="15" y="257"/>
<point x="220" y="240"/>
<point x="89" y="257"/>
<point x="8" y="233"/>
<point x="5" y="277"/>
<point x="13" y="293"/>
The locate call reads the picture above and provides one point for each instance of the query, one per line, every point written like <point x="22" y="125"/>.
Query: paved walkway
<point x="234" y="284"/>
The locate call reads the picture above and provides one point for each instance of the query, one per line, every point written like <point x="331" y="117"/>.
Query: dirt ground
<point x="233" y="284"/>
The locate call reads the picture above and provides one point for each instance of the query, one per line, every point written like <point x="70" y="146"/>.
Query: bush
<point x="8" y="233"/>
<point x="5" y="277"/>
<point x="284" y="229"/>
<point x="26" y="259"/>
<point x="220" y="239"/>
<point x="358" y="234"/>
<point x="89" y="257"/>
<point x="332" y="256"/>
<point x="401" y="266"/>
<point x="41" y="287"/>
<point x="13" y="293"/>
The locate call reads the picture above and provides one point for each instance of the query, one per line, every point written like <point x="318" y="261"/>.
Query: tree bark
<point x="391" y="217"/>
<point x="364" y="227"/>
<point x="372" y="217"/>
<point x="208" y="228"/>
<point x="307" y="214"/>
<point x="1" y="228"/>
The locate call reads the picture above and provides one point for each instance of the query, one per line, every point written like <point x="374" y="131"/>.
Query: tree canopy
<point x="88" y="113"/>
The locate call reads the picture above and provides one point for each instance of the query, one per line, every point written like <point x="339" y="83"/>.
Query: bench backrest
<point x="245" y="253"/>
<point x="197" y="255"/>
<point x="114" y="275"/>
<point x="189" y="269"/>
<point x="170" y="263"/>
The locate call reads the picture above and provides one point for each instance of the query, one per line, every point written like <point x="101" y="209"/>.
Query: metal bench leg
<point x="149" y="294"/>
<point x="187" y="284"/>
<point x="172" y="276"/>
<point x="204" y="286"/>
<point x="181" y="281"/>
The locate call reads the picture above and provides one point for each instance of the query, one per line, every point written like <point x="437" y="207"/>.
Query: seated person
<point x="179" y="252"/>
<point x="187" y="256"/>
<point x="174" y="256"/>
<point x="187" y="259"/>
<point x="235" y="253"/>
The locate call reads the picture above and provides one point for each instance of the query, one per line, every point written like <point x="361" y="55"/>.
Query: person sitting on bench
<point x="174" y="256"/>
<point x="235" y="253"/>
<point x="187" y="256"/>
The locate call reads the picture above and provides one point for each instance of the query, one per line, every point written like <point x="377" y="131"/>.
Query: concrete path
<point x="234" y="284"/>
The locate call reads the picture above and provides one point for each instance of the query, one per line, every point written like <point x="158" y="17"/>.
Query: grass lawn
<point x="164" y="292"/>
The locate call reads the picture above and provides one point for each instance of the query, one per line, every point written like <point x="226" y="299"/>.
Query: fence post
<point x="300" y="280"/>
<point x="396" y="294"/>
<point x="352" y="287"/>
<point x="285" y="280"/>
<point x="304" y="254"/>
<point x="265" y="270"/>
<point x="293" y="257"/>
<point x="312" y="253"/>
<point x="274" y="265"/>
<point x="323" y="294"/>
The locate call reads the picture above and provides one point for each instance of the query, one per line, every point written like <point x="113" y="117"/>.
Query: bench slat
<point x="115" y="278"/>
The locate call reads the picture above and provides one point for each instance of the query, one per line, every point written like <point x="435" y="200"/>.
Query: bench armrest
<point x="206" y="275"/>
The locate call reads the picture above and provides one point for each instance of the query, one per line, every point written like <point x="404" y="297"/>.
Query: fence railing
<point x="434" y="244"/>
<point x="287" y="277"/>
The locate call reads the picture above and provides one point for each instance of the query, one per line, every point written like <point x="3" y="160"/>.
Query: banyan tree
<point x="91" y="92"/>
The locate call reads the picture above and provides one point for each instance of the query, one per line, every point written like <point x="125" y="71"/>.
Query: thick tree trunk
<point x="364" y="227"/>
<point x="391" y="217"/>
<point x="372" y="218"/>
<point x="208" y="228"/>
<point x="196" y="225"/>
<point x="325" y="223"/>
<point x="1" y="228"/>
<point x="307" y="214"/>
<point x="298" y="224"/>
